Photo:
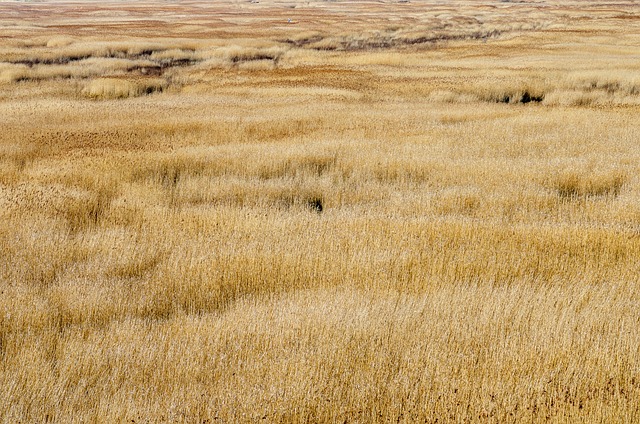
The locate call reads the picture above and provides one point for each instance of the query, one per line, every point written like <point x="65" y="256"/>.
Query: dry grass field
<point x="319" y="211"/>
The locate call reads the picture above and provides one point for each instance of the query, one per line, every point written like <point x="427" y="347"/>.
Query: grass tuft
<point x="117" y="88"/>
<point x="574" y="185"/>
<point x="89" y="210"/>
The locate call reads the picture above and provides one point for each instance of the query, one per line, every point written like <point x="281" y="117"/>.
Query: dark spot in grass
<point x="151" y="90"/>
<point x="315" y="204"/>
<point x="62" y="60"/>
<point x="524" y="99"/>
<point x="528" y="98"/>
<point x="250" y="58"/>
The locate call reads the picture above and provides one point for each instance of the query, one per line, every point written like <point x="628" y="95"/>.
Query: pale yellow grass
<point x="241" y="227"/>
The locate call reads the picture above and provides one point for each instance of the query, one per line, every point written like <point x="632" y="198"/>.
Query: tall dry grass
<point x="445" y="230"/>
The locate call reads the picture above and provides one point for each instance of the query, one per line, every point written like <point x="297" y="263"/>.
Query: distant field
<point x="319" y="211"/>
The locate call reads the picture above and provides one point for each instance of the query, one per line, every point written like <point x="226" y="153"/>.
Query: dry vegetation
<point x="319" y="211"/>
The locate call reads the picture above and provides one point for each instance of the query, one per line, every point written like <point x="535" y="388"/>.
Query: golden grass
<point x="572" y="184"/>
<point x="430" y="213"/>
<point x="117" y="88"/>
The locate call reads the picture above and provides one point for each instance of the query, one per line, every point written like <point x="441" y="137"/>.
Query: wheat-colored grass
<point x="319" y="212"/>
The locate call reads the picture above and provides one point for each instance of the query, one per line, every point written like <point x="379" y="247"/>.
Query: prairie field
<point x="319" y="211"/>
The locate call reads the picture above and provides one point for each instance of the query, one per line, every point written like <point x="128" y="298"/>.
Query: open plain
<point x="319" y="211"/>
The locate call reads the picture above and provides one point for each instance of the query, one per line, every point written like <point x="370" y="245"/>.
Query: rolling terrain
<point x="319" y="211"/>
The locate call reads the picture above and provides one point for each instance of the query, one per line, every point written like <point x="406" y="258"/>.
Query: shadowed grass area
<point x="576" y="185"/>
